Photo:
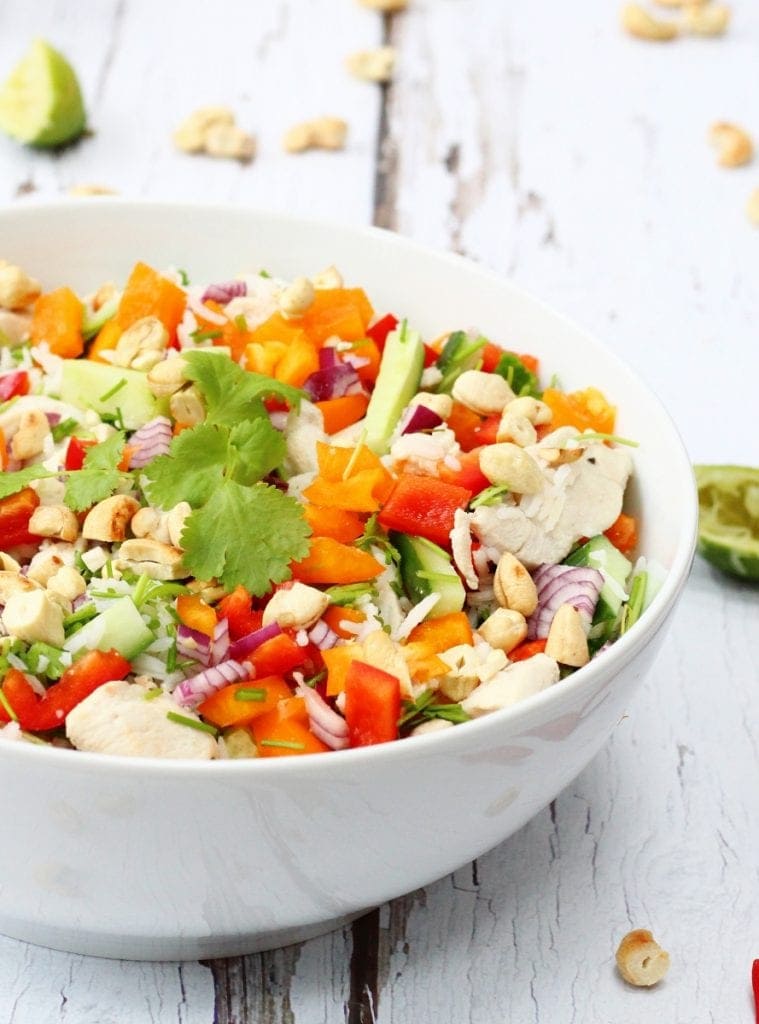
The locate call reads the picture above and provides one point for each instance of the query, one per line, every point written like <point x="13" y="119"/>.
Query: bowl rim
<point x="620" y="654"/>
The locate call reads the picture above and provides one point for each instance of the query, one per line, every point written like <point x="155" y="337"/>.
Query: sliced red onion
<point x="224" y="292"/>
<point x="327" y="357"/>
<point x="53" y="418"/>
<point x="420" y="418"/>
<point x="321" y="635"/>
<point x="219" y="642"/>
<point x="150" y="440"/>
<point x="324" y="723"/>
<point x="242" y="647"/>
<point x="192" y="691"/>
<point x="191" y="643"/>
<point x="563" y="584"/>
<point x="333" y="382"/>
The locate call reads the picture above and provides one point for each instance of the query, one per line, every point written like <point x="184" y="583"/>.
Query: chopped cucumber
<point x="397" y="383"/>
<point x="110" y="390"/>
<point x="427" y="569"/>
<point x="599" y="553"/>
<point x="119" y="628"/>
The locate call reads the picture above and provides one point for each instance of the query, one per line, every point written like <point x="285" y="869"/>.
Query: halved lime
<point x="41" y="102"/>
<point x="728" y="528"/>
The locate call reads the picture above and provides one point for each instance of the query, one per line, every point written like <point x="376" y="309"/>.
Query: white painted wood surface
<point x="540" y="140"/>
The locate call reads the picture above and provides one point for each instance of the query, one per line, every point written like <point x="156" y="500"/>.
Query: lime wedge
<point x="41" y="103"/>
<point x="728" y="530"/>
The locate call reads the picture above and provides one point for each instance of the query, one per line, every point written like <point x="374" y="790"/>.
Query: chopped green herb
<point x="74" y="622"/>
<point x="264" y="273"/>
<point x="634" y="607"/>
<point x="240" y="322"/>
<point x="7" y="705"/>
<point x="459" y="353"/>
<point x="490" y="496"/>
<point x="375" y="536"/>
<point x="252" y="693"/>
<point x="313" y="680"/>
<point x="171" y="658"/>
<point x="114" y="390"/>
<point x="99" y="476"/>
<point x="192" y="723"/>
<point x="521" y="380"/>
<point x="201" y="335"/>
<point x="63" y="429"/>
<point x="184" y="277"/>
<point x="152" y="693"/>
<point x="423" y="710"/>
<point x="591" y="436"/>
<point x="44" y="660"/>
<point x="284" y="744"/>
<point x="349" y="593"/>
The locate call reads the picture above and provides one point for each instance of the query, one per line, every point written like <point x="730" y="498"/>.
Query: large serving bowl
<point x="155" y="859"/>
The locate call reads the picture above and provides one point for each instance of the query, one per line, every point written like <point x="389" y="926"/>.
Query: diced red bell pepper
<point x="15" y="512"/>
<point x="77" y="682"/>
<point x="528" y="649"/>
<point x="372" y="705"/>
<point x="423" y="506"/>
<point x="378" y="332"/>
<point x="237" y="609"/>
<point x="19" y="695"/>
<point x="14" y="383"/>
<point x="76" y="451"/>
<point x="491" y="356"/>
<point x="278" y="656"/>
<point x="468" y="475"/>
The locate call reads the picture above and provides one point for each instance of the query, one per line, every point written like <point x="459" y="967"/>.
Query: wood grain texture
<point x="542" y="141"/>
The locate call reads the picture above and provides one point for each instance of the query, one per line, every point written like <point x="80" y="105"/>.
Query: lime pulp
<point x="728" y="533"/>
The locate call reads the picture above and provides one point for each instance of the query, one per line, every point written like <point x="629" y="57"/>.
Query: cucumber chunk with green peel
<point x="110" y="391"/>
<point x="119" y="628"/>
<point x="93" y="320"/>
<point x="427" y="569"/>
<point x="397" y="383"/>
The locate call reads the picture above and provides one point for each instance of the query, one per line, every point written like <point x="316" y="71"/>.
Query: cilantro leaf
<point x="521" y="380"/>
<point x="245" y="535"/>
<point x="192" y="470"/>
<point x="258" y="449"/>
<point x="11" y="483"/>
<point x="232" y="394"/>
<point x="99" y="476"/>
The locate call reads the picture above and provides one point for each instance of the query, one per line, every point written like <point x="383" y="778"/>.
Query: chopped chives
<point x="240" y="322"/>
<point x="151" y="694"/>
<point x="63" y="429"/>
<point x="205" y="335"/>
<point x="184" y="277"/>
<point x="313" y="680"/>
<point x="254" y="693"/>
<point x="122" y="383"/>
<point x="7" y="705"/>
<point x="80" y="616"/>
<point x="284" y="744"/>
<point x="192" y="723"/>
<point x="591" y="436"/>
<point x="171" y="658"/>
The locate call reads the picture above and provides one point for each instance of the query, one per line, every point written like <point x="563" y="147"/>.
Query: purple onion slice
<point x="563" y="584"/>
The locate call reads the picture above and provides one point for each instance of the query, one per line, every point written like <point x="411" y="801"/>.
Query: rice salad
<point x="254" y="518"/>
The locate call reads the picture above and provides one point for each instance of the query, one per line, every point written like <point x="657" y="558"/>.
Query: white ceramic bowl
<point x="154" y="859"/>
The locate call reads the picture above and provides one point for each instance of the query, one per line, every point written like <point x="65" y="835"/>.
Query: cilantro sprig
<point x="241" y="530"/>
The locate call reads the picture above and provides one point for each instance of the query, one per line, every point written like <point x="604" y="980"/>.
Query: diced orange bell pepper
<point x="465" y="424"/>
<point x="57" y="320"/>
<point x="262" y="357"/>
<point x="445" y="631"/>
<point x="361" y="492"/>
<point x="15" y="512"/>
<point x="277" y="329"/>
<point x="105" y="340"/>
<point x="336" y="661"/>
<point x="372" y="705"/>
<point x="284" y="731"/>
<point x="329" y="561"/>
<point x="423" y="506"/>
<point x="367" y="349"/>
<point x="148" y="293"/>
<point x="337" y="312"/>
<point x="342" y="412"/>
<point x="333" y="460"/>
<point x="423" y="662"/>
<point x="339" y="524"/>
<point x="194" y="613"/>
<point x="623" y="533"/>
<point x="235" y="338"/>
<point x="585" y="410"/>
<point x="336" y="614"/>
<point x="299" y="360"/>
<point x="225" y="707"/>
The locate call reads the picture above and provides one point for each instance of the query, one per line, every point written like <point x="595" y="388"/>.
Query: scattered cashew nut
<point x="504" y="629"/>
<point x="322" y="133"/>
<point x="296" y="298"/>
<point x="639" y="23"/>
<point x="513" y="586"/>
<point x="375" y="65"/>
<point x="567" y="642"/>
<point x="484" y="393"/>
<point x="17" y="289"/>
<point x="108" y="519"/>
<point x="752" y="207"/>
<point x="56" y="521"/>
<point x="640" y="958"/>
<point x="509" y="465"/>
<point x="213" y="130"/>
<point x="706" y="19"/>
<point x="734" y="145"/>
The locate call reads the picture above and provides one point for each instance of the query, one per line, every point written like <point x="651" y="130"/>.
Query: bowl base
<point x="130" y="947"/>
